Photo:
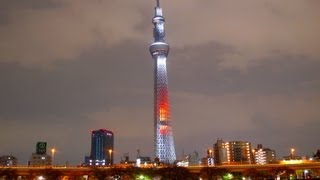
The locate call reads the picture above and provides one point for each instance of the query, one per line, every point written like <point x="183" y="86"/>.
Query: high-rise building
<point x="159" y="49"/>
<point x="219" y="152"/>
<point x="263" y="155"/>
<point x="232" y="152"/>
<point x="101" y="148"/>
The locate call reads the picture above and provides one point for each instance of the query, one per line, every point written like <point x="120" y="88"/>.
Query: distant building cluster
<point x="241" y="152"/>
<point x="102" y="152"/>
<point x="221" y="153"/>
<point x="231" y="153"/>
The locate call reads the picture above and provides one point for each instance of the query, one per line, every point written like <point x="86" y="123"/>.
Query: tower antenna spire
<point x="158" y="3"/>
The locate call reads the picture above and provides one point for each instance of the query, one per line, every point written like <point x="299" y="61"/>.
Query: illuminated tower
<point x="159" y="49"/>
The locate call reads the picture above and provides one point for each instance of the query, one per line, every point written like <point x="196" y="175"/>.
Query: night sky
<point x="238" y="70"/>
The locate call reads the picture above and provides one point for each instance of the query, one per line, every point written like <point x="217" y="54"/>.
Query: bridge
<point x="86" y="173"/>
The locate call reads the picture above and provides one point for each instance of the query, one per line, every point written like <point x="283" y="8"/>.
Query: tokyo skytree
<point x="159" y="49"/>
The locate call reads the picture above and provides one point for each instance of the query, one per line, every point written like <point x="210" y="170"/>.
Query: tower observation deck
<point x="159" y="49"/>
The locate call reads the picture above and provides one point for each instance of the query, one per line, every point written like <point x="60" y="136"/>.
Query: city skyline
<point x="238" y="71"/>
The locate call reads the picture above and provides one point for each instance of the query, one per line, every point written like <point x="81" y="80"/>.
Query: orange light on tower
<point x="163" y="114"/>
<point x="163" y="129"/>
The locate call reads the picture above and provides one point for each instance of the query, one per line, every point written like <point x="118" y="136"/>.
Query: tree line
<point x="164" y="173"/>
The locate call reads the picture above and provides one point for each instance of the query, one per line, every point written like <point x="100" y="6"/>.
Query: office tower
<point x="101" y="148"/>
<point x="232" y="152"/>
<point x="159" y="49"/>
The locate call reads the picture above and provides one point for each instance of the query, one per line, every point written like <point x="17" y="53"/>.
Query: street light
<point x="110" y="152"/>
<point x="292" y="152"/>
<point x="209" y="153"/>
<point x="52" y="152"/>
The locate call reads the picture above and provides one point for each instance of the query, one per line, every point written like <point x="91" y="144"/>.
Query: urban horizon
<point x="52" y="151"/>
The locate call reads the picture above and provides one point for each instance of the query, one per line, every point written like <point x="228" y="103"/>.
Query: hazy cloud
<point x="42" y="35"/>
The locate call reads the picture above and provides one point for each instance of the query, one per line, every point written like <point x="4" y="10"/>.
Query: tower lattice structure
<point x="159" y="49"/>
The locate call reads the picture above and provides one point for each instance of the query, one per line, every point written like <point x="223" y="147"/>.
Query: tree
<point x="289" y="172"/>
<point x="141" y="173"/>
<point x="51" y="174"/>
<point x="237" y="175"/>
<point x="212" y="173"/>
<point x="113" y="172"/>
<point x="282" y="171"/>
<point x="32" y="174"/>
<point x="120" y="172"/>
<point x="8" y="173"/>
<point x="77" y="175"/>
<point x="275" y="172"/>
<point x="100" y="174"/>
<point x="174" y="173"/>
<point x="317" y="155"/>
<point x="255" y="174"/>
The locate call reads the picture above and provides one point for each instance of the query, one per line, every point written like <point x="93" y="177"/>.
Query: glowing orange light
<point x="163" y="129"/>
<point x="163" y="112"/>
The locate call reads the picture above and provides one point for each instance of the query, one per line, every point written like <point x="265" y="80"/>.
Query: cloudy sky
<point x="238" y="70"/>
